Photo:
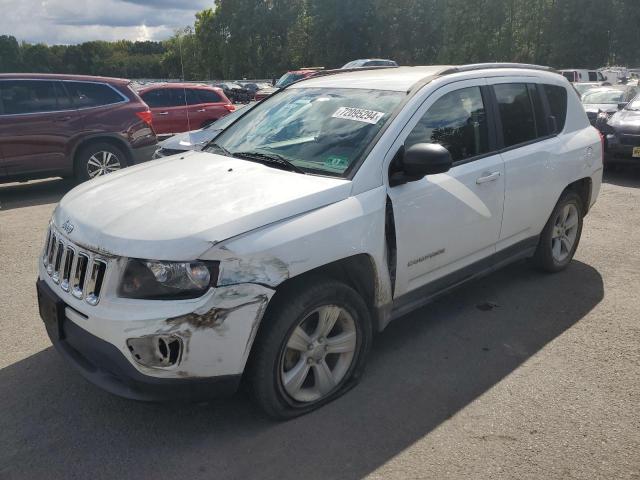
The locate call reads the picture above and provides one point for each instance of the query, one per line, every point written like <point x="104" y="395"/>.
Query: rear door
<point x="205" y="106"/>
<point x="34" y="127"/>
<point x="528" y="137"/>
<point x="168" y="108"/>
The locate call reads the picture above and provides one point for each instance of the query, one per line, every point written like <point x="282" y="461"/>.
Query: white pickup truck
<point x="334" y="206"/>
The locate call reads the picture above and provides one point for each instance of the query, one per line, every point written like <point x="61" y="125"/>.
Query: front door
<point x="449" y="221"/>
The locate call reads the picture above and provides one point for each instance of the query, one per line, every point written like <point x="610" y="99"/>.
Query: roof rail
<point x="484" y="66"/>
<point x="335" y="71"/>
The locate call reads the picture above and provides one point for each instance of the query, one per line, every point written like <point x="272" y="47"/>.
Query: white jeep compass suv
<point x="331" y="208"/>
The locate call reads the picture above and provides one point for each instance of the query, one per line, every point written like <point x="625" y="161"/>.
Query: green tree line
<point x="264" y="38"/>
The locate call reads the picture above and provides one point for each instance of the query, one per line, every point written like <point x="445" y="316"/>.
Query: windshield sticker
<point x="336" y="162"/>
<point x="358" y="114"/>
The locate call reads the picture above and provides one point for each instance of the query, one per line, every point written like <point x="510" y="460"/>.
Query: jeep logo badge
<point x="67" y="227"/>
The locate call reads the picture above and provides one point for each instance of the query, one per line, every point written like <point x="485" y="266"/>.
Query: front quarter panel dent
<point x="262" y="269"/>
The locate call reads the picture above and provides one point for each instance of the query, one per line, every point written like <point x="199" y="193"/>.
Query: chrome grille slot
<point x="66" y="268"/>
<point x="78" y="271"/>
<point x="52" y="248"/>
<point x="79" y="275"/>
<point x="94" y="282"/>
<point x="57" y="260"/>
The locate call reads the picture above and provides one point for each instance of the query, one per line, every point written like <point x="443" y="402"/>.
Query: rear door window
<point x="517" y="114"/>
<point x="593" y="77"/>
<point x="457" y="121"/>
<point x="28" y="96"/>
<point x="208" y="96"/>
<point x="89" y="94"/>
<point x="158" y="98"/>
<point x="557" y="99"/>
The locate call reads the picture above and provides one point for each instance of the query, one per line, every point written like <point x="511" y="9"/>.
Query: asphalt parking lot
<point x="518" y="375"/>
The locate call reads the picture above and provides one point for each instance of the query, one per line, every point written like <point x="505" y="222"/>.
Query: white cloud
<point x="76" y="21"/>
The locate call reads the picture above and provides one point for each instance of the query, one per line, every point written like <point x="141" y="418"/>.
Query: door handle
<point x="488" y="177"/>
<point x="62" y="119"/>
<point x="202" y="110"/>
<point x="163" y="113"/>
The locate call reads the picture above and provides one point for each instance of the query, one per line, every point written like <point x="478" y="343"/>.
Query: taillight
<point x="146" y="117"/>
<point x="230" y="107"/>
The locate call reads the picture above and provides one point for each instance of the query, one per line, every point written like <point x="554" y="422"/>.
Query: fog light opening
<point x="156" y="350"/>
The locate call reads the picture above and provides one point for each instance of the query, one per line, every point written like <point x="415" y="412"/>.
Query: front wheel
<point x="311" y="348"/>
<point x="561" y="235"/>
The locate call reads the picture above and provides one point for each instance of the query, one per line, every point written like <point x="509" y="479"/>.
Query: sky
<point x="76" y="21"/>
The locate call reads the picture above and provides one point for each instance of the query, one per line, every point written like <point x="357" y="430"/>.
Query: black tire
<point x="85" y="154"/>
<point x="290" y="309"/>
<point x="544" y="257"/>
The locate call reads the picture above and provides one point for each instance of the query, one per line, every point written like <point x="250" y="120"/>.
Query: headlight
<point x="150" y="279"/>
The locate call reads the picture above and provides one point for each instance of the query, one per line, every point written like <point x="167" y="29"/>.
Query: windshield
<point x="228" y="119"/>
<point x="609" y="96"/>
<point x="288" y="79"/>
<point x="318" y="130"/>
<point x="582" y="88"/>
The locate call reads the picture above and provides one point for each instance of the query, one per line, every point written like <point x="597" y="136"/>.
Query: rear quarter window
<point x="88" y="94"/>
<point x="557" y="98"/>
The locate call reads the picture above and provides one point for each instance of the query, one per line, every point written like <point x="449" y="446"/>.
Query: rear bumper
<point x="104" y="365"/>
<point x="143" y="154"/>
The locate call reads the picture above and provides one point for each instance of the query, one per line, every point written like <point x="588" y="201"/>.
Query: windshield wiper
<point x="269" y="158"/>
<point x="220" y="148"/>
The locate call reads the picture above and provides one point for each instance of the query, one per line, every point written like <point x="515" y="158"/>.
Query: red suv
<point x="70" y="125"/>
<point x="179" y="107"/>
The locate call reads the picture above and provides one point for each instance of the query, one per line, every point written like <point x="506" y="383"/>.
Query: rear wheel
<point x="98" y="159"/>
<point x="561" y="235"/>
<point x="311" y="349"/>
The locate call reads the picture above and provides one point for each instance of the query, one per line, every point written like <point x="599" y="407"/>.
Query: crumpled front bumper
<point x="216" y="332"/>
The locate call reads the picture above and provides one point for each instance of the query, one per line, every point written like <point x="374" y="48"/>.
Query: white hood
<point x="178" y="207"/>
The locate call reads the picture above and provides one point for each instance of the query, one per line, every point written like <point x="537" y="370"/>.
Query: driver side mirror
<point x="420" y="160"/>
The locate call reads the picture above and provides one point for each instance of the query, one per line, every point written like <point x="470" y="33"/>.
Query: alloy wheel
<point x="565" y="232"/>
<point x="101" y="163"/>
<point x="318" y="353"/>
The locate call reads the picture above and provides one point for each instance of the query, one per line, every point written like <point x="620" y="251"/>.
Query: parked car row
<point x="74" y="127"/>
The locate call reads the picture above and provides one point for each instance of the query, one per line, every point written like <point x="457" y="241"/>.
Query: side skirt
<point x="428" y="293"/>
